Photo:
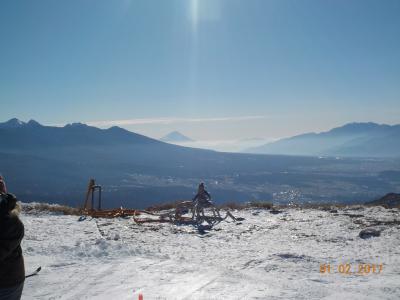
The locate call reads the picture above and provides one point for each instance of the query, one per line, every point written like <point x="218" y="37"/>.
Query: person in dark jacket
<point x="201" y="201"/>
<point x="202" y="195"/>
<point x="12" y="269"/>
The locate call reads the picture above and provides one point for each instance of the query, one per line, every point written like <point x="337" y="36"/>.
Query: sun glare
<point x="194" y="13"/>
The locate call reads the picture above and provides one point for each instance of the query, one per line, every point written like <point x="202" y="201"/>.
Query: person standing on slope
<point x="12" y="268"/>
<point x="3" y="188"/>
<point x="201" y="201"/>
<point x="202" y="196"/>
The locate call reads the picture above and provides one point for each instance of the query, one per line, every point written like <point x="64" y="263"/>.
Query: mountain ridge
<point x="32" y="133"/>
<point x="356" y="139"/>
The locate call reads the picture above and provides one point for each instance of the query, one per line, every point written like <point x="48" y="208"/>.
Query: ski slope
<point x="265" y="256"/>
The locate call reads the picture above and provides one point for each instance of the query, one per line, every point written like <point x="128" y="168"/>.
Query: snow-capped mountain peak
<point x="12" y="123"/>
<point x="176" y="136"/>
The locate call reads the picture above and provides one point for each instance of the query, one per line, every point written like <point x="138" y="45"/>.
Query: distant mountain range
<point x="54" y="164"/>
<point x="175" y="137"/>
<point x="33" y="135"/>
<point x="351" y="140"/>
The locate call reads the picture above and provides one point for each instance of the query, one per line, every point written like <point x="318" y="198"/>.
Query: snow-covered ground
<point x="265" y="256"/>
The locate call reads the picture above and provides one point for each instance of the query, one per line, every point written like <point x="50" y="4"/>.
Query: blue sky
<point x="213" y="69"/>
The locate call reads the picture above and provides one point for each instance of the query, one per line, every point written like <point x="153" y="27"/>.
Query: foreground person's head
<point x="8" y="203"/>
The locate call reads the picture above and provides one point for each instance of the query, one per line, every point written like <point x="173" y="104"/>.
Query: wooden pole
<point x="88" y="192"/>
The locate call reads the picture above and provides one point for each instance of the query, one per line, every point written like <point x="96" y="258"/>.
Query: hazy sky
<point x="212" y="69"/>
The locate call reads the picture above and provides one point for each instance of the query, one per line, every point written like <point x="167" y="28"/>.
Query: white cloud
<point x="144" y="121"/>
